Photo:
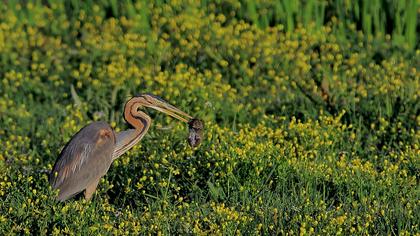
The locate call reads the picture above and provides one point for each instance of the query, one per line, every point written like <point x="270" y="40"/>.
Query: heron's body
<point x="90" y="152"/>
<point x="85" y="159"/>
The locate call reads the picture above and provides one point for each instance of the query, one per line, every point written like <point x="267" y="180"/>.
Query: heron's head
<point x="196" y="126"/>
<point x="157" y="103"/>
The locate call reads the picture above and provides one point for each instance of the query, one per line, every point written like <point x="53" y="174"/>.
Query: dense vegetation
<point x="311" y="112"/>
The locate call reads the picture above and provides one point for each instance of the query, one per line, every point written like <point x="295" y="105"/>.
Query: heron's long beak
<point x="162" y="106"/>
<point x="195" y="125"/>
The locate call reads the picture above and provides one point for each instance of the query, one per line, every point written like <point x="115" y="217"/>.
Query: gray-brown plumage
<point x="90" y="152"/>
<point x="91" y="147"/>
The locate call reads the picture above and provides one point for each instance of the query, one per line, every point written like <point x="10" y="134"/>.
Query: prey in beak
<point x="196" y="127"/>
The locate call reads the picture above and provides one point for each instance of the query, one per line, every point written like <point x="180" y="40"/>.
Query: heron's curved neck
<point x="139" y="120"/>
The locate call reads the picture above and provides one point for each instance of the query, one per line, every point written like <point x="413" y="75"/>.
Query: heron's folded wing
<point x="71" y="159"/>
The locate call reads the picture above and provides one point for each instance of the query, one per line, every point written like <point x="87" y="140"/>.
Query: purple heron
<point x="91" y="151"/>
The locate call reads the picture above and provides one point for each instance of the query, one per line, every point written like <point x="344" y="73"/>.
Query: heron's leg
<point x="91" y="189"/>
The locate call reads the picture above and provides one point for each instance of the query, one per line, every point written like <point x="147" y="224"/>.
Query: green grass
<point x="311" y="112"/>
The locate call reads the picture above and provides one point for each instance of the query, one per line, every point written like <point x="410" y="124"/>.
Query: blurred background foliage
<point x="311" y="110"/>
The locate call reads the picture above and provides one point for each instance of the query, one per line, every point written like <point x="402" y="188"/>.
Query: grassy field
<point x="311" y="111"/>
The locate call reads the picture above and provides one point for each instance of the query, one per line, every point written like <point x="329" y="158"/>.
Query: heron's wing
<point x="123" y="139"/>
<point x="71" y="160"/>
<point x="86" y="158"/>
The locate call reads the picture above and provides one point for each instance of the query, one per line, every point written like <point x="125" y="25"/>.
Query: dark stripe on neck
<point x="142" y="120"/>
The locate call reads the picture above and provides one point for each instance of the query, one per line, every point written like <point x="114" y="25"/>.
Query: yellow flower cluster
<point x="306" y="132"/>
